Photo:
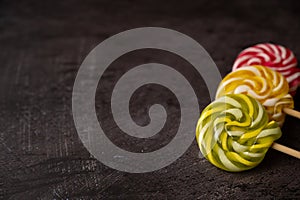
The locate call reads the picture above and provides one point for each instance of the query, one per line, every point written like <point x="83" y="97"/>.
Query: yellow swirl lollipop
<point x="234" y="132"/>
<point x="269" y="87"/>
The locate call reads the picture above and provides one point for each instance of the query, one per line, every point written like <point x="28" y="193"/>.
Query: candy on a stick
<point x="269" y="87"/>
<point x="234" y="132"/>
<point x="276" y="57"/>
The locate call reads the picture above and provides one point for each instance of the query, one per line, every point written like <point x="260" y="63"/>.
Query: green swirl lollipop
<point x="234" y="133"/>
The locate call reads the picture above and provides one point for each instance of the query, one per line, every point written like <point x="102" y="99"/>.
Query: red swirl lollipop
<point x="276" y="57"/>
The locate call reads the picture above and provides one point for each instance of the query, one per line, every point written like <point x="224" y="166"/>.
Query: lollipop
<point x="267" y="86"/>
<point x="276" y="57"/>
<point x="234" y="132"/>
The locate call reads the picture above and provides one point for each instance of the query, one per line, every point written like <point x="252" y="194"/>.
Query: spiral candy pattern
<point x="267" y="86"/>
<point x="234" y="133"/>
<point x="276" y="57"/>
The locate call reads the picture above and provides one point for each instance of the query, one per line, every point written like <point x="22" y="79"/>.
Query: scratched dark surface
<point x="42" y="45"/>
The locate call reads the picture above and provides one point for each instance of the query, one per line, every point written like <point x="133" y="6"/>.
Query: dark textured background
<point x="42" y="45"/>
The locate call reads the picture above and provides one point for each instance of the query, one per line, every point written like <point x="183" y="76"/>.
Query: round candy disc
<point x="269" y="87"/>
<point x="276" y="57"/>
<point x="234" y="132"/>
